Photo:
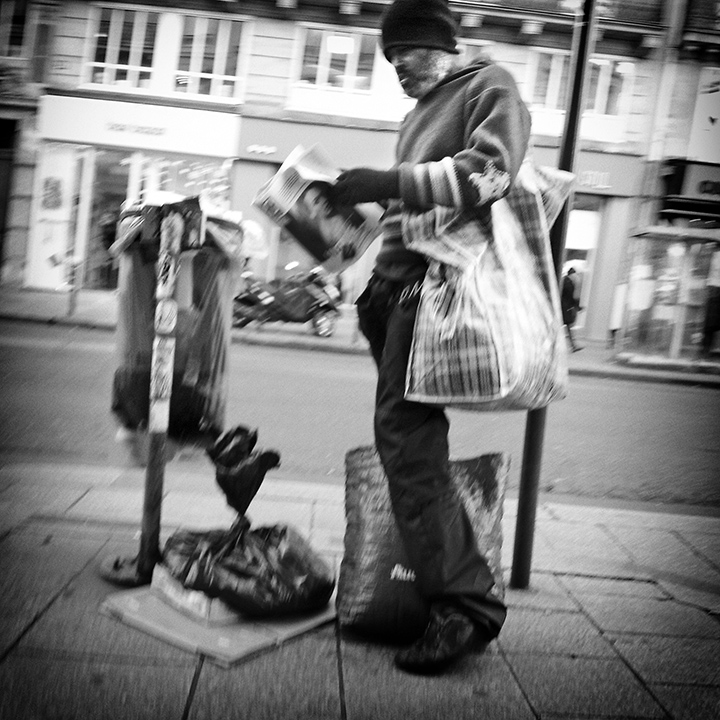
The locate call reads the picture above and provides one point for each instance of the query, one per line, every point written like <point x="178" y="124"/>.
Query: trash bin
<point x="210" y="253"/>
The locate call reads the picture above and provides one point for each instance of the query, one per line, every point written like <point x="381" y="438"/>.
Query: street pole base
<point x="124" y="572"/>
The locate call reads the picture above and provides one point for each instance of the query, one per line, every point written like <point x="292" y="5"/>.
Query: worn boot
<point x="449" y="636"/>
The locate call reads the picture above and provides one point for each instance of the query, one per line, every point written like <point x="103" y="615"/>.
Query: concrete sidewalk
<point x="620" y="620"/>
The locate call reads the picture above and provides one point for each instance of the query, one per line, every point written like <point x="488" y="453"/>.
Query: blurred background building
<point x="103" y="102"/>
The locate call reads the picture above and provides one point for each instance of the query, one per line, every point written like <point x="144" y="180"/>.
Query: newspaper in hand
<point x="297" y="199"/>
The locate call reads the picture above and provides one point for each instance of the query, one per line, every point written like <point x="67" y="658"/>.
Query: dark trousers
<point x="412" y="441"/>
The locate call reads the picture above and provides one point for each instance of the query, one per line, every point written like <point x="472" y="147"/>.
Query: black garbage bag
<point x="239" y="468"/>
<point x="266" y="572"/>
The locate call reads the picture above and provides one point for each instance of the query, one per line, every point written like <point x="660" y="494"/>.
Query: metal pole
<point x="138" y="570"/>
<point x="535" y="426"/>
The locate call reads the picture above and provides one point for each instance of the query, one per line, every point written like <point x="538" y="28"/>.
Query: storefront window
<point x="79" y="198"/>
<point x="671" y="304"/>
<point x="108" y="193"/>
<point x="580" y="244"/>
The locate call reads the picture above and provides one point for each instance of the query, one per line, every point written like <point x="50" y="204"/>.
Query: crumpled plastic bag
<point x="239" y="468"/>
<point x="266" y="572"/>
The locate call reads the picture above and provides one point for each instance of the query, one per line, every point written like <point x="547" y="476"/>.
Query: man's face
<point x="418" y="69"/>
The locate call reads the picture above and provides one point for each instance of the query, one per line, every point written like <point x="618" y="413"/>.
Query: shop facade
<point x="672" y="277"/>
<point x="95" y="154"/>
<point x="673" y="293"/>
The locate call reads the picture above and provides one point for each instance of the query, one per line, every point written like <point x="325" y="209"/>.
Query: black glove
<point x="361" y="185"/>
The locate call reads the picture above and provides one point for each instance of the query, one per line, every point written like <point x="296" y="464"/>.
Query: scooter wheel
<point x="324" y="323"/>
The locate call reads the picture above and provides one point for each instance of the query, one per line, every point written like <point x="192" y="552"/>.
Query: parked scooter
<point x="300" y="298"/>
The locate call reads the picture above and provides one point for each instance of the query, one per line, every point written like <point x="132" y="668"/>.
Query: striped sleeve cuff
<point x="426" y="185"/>
<point x="433" y="183"/>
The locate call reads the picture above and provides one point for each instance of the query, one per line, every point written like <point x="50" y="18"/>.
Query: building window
<point x="606" y="82"/>
<point x="607" y="91"/>
<point x="124" y="46"/>
<point x="338" y="60"/>
<point x="13" y="24"/>
<point x="343" y="73"/>
<point x="165" y="53"/>
<point x="551" y="79"/>
<point x="209" y="52"/>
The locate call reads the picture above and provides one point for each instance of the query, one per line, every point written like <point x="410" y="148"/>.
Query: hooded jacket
<point x="460" y="146"/>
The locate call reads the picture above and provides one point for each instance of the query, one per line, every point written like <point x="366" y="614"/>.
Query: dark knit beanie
<point x="419" y="23"/>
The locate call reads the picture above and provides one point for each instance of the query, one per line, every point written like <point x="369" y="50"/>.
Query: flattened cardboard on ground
<point x="225" y="645"/>
<point x="196" y="604"/>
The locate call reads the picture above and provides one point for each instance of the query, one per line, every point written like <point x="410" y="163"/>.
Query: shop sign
<point x="602" y="173"/>
<point x="139" y="126"/>
<point x="594" y="179"/>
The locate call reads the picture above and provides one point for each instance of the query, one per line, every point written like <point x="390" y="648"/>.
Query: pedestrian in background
<point x="570" y="304"/>
<point x="461" y="147"/>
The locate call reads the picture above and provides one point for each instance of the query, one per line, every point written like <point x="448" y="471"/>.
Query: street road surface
<point x="610" y="439"/>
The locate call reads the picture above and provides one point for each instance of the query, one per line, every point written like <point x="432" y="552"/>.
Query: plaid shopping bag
<point x="488" y="333"/>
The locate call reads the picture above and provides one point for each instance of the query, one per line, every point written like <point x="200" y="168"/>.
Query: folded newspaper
<point x="297" y="199"/>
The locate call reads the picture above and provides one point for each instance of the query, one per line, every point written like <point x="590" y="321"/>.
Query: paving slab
<point x="74" y="625"/>
<point x="56" y="474"/>
<point x="84" y="688"/>
<point x="689" y="702"/>
<point x="482" y="686"/>
<point x="36" y="568"/>
<point x="670" y="557"/>
<point x="545" y="592"/>
<point x="124" y="506"/>
<point x="706" y="598"/>
<point x="594" y="587"/>
<point x="671" y="660"/>
<point x="553" y="632"/>
<point x="297" y="680"/>
<point x="654" y="616"/>
<point x="661" y="519"/>
<point x="577" y="550"/>
<point x="581" y="687"/>
<point x="207" y="512"/>
<point x="706" y="544"/>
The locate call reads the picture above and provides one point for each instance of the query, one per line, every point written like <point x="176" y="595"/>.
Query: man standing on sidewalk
<point x="461" y="146"/>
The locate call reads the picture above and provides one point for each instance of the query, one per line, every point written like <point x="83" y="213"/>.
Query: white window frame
<point x="606" y="65"/>
<point x="217" y="79"/>
<point x="7" y="12"/>
<point x="548" y="116"/>
<point x="109" y="67"/>
<point x="165" y="69"/>
<point x="25" y="63"/>
<point x="382" y="100"/>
